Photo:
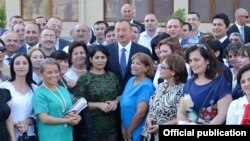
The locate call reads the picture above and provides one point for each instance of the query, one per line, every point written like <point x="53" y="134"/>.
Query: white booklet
<point x="78" y="106"/>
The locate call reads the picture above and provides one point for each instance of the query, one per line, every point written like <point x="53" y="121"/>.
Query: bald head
<point x="241" y="16"/>
<point x="127" y="11"/>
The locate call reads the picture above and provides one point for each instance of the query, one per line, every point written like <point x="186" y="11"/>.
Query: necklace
<point x="77" y="70"/>
<point x="63" y="101"/>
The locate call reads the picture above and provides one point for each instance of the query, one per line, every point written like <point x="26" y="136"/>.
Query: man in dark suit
<point x="123" y="31"/>
<point x="32" y="36"/>
<point x="56" y="24"/>
<point x="219" y="29"/>
<point x="128" y="13"/>
<point x="241" y="18"/>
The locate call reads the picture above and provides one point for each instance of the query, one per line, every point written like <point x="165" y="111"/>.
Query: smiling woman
<point x="209" y="91"/>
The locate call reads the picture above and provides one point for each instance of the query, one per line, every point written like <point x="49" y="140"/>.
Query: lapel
<point x="116" y="55"/>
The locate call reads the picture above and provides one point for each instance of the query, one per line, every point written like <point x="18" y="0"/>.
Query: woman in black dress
<point x="6" y="124"/>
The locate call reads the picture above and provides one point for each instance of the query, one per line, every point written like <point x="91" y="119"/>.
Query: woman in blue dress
<point x="206" y="96"/>
<point x="135" y="98"/>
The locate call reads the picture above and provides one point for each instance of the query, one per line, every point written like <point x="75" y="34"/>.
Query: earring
<point x="208" y="66"/>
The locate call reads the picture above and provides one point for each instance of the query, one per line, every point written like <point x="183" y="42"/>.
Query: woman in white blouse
<point x="21" y="88"/>
<point x="237" y="108"/>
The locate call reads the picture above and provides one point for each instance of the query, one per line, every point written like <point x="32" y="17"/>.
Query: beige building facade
<point x="91" y="11"/>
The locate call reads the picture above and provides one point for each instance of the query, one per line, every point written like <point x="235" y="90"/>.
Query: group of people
<point x="132" y="83"/>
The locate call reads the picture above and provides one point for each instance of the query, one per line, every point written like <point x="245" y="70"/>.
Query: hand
<point x="149" y="121"/>
<point x="104" y="107"/>
<point x="112" y="105"/>
<point x="77" y="118"/>
<point x="153" y="128"/>
<point x="71" y="83"/>
<point x="22" y="127"/>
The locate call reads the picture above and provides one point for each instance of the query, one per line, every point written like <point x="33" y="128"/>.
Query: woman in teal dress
<point x="101" y="89"/>
<point x="50" y="102"/>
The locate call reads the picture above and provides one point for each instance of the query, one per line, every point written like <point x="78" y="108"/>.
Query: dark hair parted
<point x="92" y="53"/>
<point x="206" y="37"/>
<point x="28" y="78"/>
<point x="215" y="45"/>
<point x="155" y="41"/>
<point x="223" y="17"/>
<point x="145" y="60"/>
<point x="75" y="44"/>
<point x="241" y="71"/>
<point x="177" y="64"/>
<point x="233" y="48"/>
<point x="213" y="66"/>
<point x="59" y="55"/>
<point x="245" y="50"/>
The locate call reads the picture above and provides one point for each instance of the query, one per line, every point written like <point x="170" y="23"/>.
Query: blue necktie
<point x="9" y="59"/>
<point x="242" y="33"/>
<point x="123" y="62"/>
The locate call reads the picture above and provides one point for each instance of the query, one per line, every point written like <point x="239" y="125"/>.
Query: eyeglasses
<point x="245" y="17"/>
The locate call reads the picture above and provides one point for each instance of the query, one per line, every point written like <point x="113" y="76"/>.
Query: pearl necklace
<point x="63" y="101"/>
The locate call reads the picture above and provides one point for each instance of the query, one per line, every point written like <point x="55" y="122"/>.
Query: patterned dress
<point x="100" y="88"/>
<point x="164" y="103"/>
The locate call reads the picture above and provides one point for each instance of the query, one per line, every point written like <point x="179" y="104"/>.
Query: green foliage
<point x="179" y="14"/>
<point x="3" y="21"/>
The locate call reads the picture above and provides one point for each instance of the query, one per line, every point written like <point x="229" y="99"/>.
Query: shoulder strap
<point x="206" y="98"/>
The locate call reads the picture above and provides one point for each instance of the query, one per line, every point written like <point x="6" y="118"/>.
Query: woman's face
<point x="51" y="74"/>
<point x="245" y="82"/>
<point x="137" y="67"/>
<point x="78" y="56"/>
<point x="197" y="63"/>
<point x="99" y="61"/>
<point x="244" y="60"/>
<point x="64" y="65"/>
<point x="233" y="59"/>
<point x="165" y="71"/>
<point x="21" y="66"/>
<point x="2" y="51"/>
<point x="36" y="59"/>
<point x="165" y="50"/>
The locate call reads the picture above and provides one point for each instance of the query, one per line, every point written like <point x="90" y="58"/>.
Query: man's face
<point x="127" y="12"/>
<point x="123" y="32"/>
<point x="48" y="39"/>
<point x="99" y="30"/>
<point x="219" y="28"/>
<point x="15" y="21"/>
<point x="185" y="32"/>
<point x="41" y="22"/>
<point x="151" y="23"/>
<point x="174" y="28"/>
<point x="56" y="25"/>
<point x="194" y="21"/>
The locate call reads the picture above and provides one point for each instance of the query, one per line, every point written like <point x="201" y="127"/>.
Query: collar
<point x="243" y="101"/>
<point x="238" y="26"/>
<point x="223" y="39"/>
<point x="127" y="47"/>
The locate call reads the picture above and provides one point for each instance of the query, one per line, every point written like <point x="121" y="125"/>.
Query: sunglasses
<point x="245" y="17"/>
<point x="199" y="45"/>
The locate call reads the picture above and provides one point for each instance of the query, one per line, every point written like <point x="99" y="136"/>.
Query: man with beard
<point x="48" y="41"/>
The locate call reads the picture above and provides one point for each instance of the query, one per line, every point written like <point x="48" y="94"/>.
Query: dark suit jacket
<point x="234" y="28"/>
<point x="63" y="43"/>
<point x="224" y="45"/>
<point x="114" y="65"/>
<point x="22" y="49"/>
<point x="140" y="25"/>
